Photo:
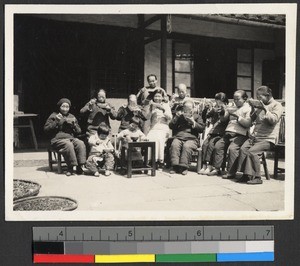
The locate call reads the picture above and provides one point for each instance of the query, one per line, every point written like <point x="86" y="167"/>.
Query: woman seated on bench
<point x="219" y="122"/>
<point x="267" y="115"/>
<point x="63" y="126"/>
<point x="186" y="126"/>
<point x="128" y="111"/>
<point x="160" y="115"/>
<point x="99" y="111"/>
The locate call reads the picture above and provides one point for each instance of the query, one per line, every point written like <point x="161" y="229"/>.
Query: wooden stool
<point x="55" y="157"/>
<point x="144" y="147"/>
<point x="279" y="148"/>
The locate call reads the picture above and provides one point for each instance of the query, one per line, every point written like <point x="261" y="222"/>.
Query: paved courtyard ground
<point x="143" y="192"/>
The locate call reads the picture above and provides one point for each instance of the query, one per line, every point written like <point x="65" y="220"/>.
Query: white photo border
<point x="290" y="10"/>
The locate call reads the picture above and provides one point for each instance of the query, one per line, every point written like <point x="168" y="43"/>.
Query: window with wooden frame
<point x="245" y="70"/>
<point x="183" y="66"/>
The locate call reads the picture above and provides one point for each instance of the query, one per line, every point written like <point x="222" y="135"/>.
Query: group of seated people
<point x="242" y="131"/>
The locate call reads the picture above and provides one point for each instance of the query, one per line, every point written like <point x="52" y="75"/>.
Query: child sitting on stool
<point x="101" y="153"/>
<point x="132" y="134"/>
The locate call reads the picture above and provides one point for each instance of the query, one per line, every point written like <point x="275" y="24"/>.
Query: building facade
<point x="64" y="55"/>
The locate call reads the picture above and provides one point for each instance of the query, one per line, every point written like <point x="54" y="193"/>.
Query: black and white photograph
<point x="150" y="112"/>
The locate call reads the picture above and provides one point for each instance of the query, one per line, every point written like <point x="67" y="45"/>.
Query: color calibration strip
<point x="115" y="252"/>
<point x="77" y="245"/>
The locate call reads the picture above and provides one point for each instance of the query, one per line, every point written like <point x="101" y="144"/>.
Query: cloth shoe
<point x="172" y="170"/>
<point x="243" y="179"/>
<point x="79" y="170"/>
<point x="255" y="181"/>
<point x="96" y="174"/>
<point x="184" y="172"/>
<point x="107" y="173"/>
<point x="69" y="171"/>
<point x="228" y="176"/>
<point x="84" y="169"/>
<point x="201" y="172"/>
<point x="214" y="172"/>
<point x="208" y="170"/>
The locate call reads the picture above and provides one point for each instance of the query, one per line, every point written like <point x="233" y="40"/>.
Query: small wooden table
<point x="29" y="125"/>
<point x="145" y="146"/>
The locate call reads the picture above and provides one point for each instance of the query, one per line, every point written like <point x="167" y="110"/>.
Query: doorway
<point x="214" y="67"/>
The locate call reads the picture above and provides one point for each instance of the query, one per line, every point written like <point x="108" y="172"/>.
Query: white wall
<point x="152" y="62"/>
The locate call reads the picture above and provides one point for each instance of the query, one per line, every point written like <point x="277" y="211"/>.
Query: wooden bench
<point x="279" y="147"/>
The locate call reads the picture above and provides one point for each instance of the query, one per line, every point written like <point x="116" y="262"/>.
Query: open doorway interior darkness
<point x="55" y="59"/>
<point x="272" y="75"/>
<point x="214" y="67"/>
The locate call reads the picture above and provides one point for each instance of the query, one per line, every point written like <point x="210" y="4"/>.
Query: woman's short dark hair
<point x="244" y="94"/>
<point x="151" y="75"/>
<point x="158" y="92"/>
<point x="222" y="97"/>
<point x="265" y="90"/>
<point x="103" y="129"/>
<point x="97" y="91"/>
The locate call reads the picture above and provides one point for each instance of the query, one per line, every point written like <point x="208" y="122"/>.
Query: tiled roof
<point x="265" y="18"/>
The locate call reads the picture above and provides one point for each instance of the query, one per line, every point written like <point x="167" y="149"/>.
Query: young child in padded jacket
<point x="132" y="134"/>
<point x="101" y="153"/>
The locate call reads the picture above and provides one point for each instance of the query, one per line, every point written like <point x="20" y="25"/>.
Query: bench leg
<point x="129" y="163"/>
<point x="59" y="168"/>
<point x="275" y="163"/>
<point x="50" y="160"/>
<point x="199" y="160"/>
<point x="153" y="171"/>
<point x="265" y="166"/>
<point x="145" y="151"/>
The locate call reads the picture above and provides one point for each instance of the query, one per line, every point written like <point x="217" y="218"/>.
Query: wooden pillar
<point x="140" y="52"/>
<point x="163" y="52"/>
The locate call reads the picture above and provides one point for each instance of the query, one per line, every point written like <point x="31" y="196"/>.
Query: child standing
<point x="101" y="153"/>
